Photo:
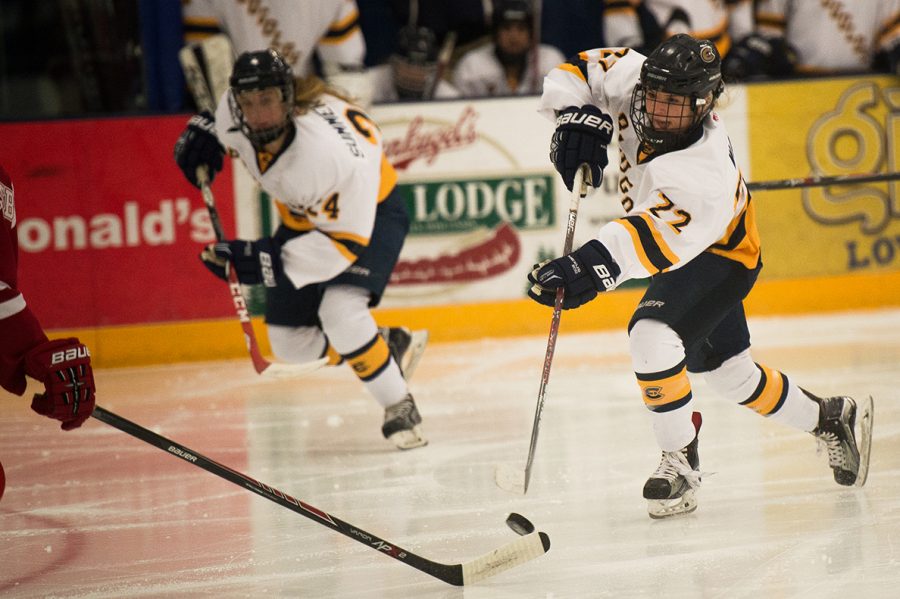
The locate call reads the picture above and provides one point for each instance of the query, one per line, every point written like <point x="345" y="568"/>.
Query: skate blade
<point x="864" y="418"/>
<point x="417" y="343"/>
<point x="408" y="439"/>
<point x="666" y="508"/>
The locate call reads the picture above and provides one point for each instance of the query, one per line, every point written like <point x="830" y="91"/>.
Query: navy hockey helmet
<point x="414" y="64"/>
<point x="256" y="71"/>
<point x="680" y="66"/>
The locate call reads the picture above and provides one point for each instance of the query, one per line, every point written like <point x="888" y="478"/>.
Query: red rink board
<point x="109" y="229"/>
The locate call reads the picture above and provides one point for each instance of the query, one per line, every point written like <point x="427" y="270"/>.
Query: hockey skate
<point x="406" y="347"/>
<point x="670" y="490"/>
<point x="840" y="419"/>
<point x="401" y="425"/>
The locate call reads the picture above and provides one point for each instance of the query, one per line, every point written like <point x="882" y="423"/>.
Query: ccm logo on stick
<point x="70" y="354"/>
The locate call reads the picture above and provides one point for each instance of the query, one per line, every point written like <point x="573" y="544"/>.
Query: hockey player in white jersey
<point x="827" y="37"/>
<point x="514" y="63"/>
<point x="643" y="24"/>
<point x="343" y="226"/>
<point x="689" y="227"/>
<point x="297" y="30"/>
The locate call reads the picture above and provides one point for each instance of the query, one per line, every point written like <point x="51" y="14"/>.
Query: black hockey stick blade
<point x="523" y="549"/>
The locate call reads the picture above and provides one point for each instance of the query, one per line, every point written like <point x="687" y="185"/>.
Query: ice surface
<point x="98" y="513"/>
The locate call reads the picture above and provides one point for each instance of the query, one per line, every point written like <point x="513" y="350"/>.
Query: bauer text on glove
<point x="581" y="137"/>
<point x="64" y="366"/>
<point x="255" y="262"/>
<point x="581" y="274"/>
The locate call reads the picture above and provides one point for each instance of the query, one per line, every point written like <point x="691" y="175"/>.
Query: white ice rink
<point x="98" y="513"/>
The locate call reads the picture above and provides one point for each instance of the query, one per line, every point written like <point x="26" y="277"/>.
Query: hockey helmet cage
<point x="684" y="66"/>
<point x="414" y="64"/>
<point x="260" y="70"/>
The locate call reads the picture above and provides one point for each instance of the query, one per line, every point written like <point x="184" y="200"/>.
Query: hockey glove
<point x="759" y="56"/>
<point x="198" y="146"/>
<point x="581" y="137"/>
<point x="64" y="366"/>
<point x="581" y="274"/>
<point x="254" y="262"/>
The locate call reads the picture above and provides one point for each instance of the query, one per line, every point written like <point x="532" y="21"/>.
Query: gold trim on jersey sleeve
<point x="741" y="239"/>
<point x="342" y="29"/>
<point x="575" y="70"/>
<point x="652" y="250"/>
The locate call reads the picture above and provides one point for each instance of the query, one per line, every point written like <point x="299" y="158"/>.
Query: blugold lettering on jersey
<point x="651" y="249"/>
<point x="770" y="393"/>
<point x="666" y="390"/>
<point x="371" y="359"/>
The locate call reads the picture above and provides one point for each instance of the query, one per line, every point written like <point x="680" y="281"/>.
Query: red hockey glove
<point x="64" y="366"/>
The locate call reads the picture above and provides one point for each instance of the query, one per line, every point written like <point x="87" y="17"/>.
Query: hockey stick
<point x="523" y="549"/>
<point x="262" y="366"/>
<point x="207" y="67"/>
<point x="821" y="181"/>
<point x="443" y="60"/>
<point x="511" y="480"/>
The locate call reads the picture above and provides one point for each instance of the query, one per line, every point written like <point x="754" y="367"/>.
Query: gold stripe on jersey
<point x="666" y="390"/>
<point x="578" y="71"/>
<point x="741" y="240"/>
<point x="199" y="28"/>
<point x="652" y="250"/>
<point x="341" y="30"/>
<point x="371" y="359"/>
<point x="619" y="7"/>
<point x="388" y="179"/>
<point x="772" y="20"/>
<point x="889" y="31"/>
<point x="770" y="393"/>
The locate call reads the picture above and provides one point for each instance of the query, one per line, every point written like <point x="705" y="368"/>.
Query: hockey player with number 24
<point x="689" y="227"/>
<point x="343" y="224"/>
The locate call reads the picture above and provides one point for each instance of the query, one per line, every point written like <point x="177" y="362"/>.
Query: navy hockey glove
<point x="581" y="137"/>
<point x="581" y="274"/>
<point x="759" y="56"/>
<point x="198" y="146"/>
<point x="255" y="262"/>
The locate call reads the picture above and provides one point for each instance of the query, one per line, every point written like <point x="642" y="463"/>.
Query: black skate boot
<point x="837" y="420"/>
<point x="670" y="490"/>
<point x="406" y="347"/>
<point x="401" y="425"/>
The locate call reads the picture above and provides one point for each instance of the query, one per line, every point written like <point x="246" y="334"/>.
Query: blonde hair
<point x="308" y="90"/>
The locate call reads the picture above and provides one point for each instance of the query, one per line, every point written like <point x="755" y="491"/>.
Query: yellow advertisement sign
<point x="827" y="127"/>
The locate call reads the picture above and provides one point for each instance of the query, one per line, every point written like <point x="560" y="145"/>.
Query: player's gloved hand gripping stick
<point x="262" y="366"/>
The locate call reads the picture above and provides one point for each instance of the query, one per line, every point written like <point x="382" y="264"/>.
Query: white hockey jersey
<point x="328" y="181"/>
<point x="385" y="91"/>
<point x="721" y="21"/>
<point x="294" y="28"/>
<point x="832" y="35"/>
<point x="678" y="204"/>
<point x="479" y="72"/>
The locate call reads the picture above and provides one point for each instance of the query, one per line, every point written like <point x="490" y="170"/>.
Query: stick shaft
<point x="578" y="191"/>
<point x="822" y="181"/>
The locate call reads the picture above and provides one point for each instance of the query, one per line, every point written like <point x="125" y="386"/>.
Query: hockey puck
<point x="519" y="524"/>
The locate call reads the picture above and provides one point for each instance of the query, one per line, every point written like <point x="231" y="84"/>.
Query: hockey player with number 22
<point x="689" y="226"/>
<point x="343" y="224"/>
<point x="62" y="365"/>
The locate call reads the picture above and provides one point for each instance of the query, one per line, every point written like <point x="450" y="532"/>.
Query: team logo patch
<point x="654" y="393"/>
<point x="707" y="54"/>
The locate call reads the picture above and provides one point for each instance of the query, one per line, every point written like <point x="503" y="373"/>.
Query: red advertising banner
<point x="109" y="229"/>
